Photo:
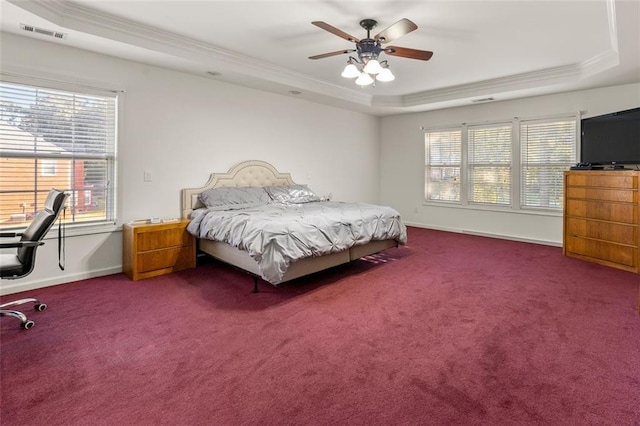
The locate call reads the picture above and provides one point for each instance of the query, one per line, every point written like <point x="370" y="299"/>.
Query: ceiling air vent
<point x="475" y="101"/>
<point x="48" y="33"/>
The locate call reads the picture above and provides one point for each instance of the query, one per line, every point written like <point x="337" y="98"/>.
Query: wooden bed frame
<point x="260" y="173"/>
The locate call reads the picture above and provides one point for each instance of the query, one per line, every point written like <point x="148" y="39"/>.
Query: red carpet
<point x="452" y="329"/>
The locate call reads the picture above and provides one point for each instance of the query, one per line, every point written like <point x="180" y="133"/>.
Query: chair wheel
<point x="40" y="306"/>
<point x="27" y="324"/>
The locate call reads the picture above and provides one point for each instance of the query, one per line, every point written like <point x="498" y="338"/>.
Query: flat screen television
<point x="611" y="139"/>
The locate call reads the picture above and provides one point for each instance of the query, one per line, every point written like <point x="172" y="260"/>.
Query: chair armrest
<point x="10" y="234"/>
<point x="19" y="244"/>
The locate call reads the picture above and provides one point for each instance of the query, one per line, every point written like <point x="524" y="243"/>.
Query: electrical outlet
<point x="147" y="176"/>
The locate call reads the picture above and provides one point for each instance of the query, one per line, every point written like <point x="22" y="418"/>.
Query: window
<point x="442" y="170"/>
<point x="548" y="148"/>
<point x="52" y="138"/>
<point x="48" y="167"/>
<point x="490" y="164"/>
<point x="517" y="164"/>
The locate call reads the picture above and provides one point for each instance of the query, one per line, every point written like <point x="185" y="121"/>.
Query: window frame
<point x="48" y="166"/>
<point x="427" y="167"/>
<point x="86" y="88"/>
<point x="509" y="166"/>
<point x="564" y="165"/>
<point x="516" y="165"/>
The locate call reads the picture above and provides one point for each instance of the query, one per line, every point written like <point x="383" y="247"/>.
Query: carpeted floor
<point x="452" y="329"/>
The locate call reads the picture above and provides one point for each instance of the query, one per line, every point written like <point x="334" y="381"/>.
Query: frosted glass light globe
<point x="372" y="67"/>
<point x="385" y="75"/>
<point x="350" y="71"/>
<point x="364" y="79"/>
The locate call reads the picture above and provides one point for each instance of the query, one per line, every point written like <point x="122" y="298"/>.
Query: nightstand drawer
<point x="155" y="239"/>
<point x="175" y="258"/>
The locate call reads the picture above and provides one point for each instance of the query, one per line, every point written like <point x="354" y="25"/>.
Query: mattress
<point x="277" y="235"/>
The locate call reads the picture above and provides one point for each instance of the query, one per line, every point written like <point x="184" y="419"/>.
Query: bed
<point x="290" y="218"/>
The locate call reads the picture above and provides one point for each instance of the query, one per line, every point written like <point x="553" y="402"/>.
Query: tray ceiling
<point x="482" y="49"/>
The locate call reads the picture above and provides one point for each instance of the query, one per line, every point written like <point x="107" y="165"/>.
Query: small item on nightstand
<point x="138" y="221"/>
<point x="154" y="219"/>
<point x="170" y="220"/>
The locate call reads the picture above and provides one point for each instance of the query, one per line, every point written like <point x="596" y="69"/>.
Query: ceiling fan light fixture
<point x="385" y="75"/>
<point x="364" y="79"/>
<point x="372" y="67"/>
<point x="366" y="66"/>
<point x="350" y="71"/>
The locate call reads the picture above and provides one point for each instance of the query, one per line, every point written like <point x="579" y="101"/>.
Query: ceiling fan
<point x="369" y="47"/>
<point x="368" y="50"/>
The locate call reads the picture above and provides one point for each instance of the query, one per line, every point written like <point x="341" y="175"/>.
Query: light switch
<point x="147" y="176"/>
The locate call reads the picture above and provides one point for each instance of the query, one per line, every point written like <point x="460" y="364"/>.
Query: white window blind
<point x="548" y="148"/>
<point x="489" y="164"/>
<point x="56" y="139"/>
<point x="442" y="165"/>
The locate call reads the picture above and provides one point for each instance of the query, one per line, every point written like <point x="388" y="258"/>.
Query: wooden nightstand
<point x="157" y="249"/>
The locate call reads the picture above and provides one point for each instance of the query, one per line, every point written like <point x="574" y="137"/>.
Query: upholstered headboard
<point x="247" y="173"/>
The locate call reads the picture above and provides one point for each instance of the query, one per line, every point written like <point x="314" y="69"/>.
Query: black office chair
<point x="20" y="264"/>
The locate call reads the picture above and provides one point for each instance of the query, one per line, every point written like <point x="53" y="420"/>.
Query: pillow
<point x="233" y="198"/>
<point x="291" y="194"/>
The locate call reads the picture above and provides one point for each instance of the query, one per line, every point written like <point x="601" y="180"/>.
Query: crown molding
<point x="80" y="18"/>
<point x="599" y="63"/>
<point x="545" y="77"/>
<point x="77" y="17"/>
<point x="495" y="86"/>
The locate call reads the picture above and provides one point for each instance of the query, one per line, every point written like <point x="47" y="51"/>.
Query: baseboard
<point x="11" y="287"/>
<point x="485" y="234"/>
<point x="435" y="228"/>
<point x="17" y="286"/>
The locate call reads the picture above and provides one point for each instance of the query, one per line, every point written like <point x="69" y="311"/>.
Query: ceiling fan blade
<point x="337" y="52"/>
<point x="405" y="52"/>
<point x="334" y="30"/>
<point x="397" y="30"/>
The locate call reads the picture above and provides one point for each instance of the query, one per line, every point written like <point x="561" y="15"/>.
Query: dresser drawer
<point x="604" y="180"/>
<point x="175" y="258"/>
<point x="621" y="195"/>
<point x="614" y="232"/>
<point x="602" y="250"/>
<point x="616" y="212"/>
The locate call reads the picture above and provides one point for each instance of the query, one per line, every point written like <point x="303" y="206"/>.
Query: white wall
<point x="402" y="161"/>
<point x="182" y="127"/>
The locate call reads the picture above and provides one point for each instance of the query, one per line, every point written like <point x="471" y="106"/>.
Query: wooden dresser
<point x="155" y="249"/>
<point x="602" y="217"/>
